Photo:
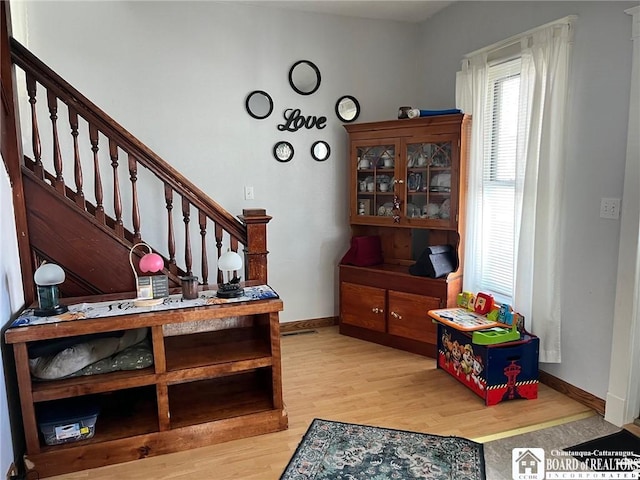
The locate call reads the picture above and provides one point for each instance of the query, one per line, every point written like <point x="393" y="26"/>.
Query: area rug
<point x="553" y="437"/>
<point x="345" y="451"/>
<point x="616" y="452"/>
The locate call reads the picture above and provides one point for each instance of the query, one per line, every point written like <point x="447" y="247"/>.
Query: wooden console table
<point x="216" y="377"/>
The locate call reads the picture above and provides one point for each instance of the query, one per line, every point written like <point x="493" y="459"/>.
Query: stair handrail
<point x="26" y="60"/>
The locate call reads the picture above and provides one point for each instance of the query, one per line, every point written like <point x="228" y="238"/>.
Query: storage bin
<point x="499" y="372"/>
<point x="67" y="421"/>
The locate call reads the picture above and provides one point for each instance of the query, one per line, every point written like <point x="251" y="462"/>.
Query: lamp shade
<point x="49" y="274"/>
<point x="151" y="262"/>
<point x="229" y="261"/>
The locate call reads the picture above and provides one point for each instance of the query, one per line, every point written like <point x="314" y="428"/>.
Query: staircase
<point x="83" y="181"/>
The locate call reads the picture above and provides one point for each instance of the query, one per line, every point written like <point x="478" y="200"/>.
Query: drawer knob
<point x="377" y="310"/>
<point x="396" y="315"/>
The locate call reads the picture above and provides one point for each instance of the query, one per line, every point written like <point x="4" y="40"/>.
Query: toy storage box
<point x="67" y="422"/>
<point x="503" y="371"/>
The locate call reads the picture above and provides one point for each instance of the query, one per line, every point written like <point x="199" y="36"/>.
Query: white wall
<point x="598" y="116"/>
<point x="176" y="74"/>
<point x="11" y="301"/>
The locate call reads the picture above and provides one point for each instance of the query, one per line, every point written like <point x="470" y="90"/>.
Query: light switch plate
<point x="610" y="208"/>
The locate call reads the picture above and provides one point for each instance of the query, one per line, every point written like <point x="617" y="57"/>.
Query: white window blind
<point x="496" y="252"/>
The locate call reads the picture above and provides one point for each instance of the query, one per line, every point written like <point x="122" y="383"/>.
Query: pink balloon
<point x="151" y="262"/>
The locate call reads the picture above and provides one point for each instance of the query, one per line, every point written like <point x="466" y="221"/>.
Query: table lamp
<point x="149" y="263"/>
<point x="230" y="262"/>
<point x="47" y="278"/>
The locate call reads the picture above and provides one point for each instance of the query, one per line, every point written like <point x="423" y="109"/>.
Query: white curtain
<point x="471" y="97"/>
<point x="545" y="54"/>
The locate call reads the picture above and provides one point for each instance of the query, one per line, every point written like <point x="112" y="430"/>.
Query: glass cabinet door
<point x="429" y="181"/>
<point x="409" y="182"/>
<point x="375" y="180"/>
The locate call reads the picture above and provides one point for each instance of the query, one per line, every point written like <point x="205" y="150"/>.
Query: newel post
<point x="255" y="251"/>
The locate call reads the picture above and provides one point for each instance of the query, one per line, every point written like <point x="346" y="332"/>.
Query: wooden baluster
<point x="77" y="166"/>
<point x="203" y="233"/>
<point x="171" y="242"/>
<point x="187" y="242"/>
<point x="35" y="132"/>
<point x="93" y="137"/>
<point x="135" y="209"/>
<point x="117" y="202"/>
<point x="57" y="157"/>
<point x="218" y="234"/>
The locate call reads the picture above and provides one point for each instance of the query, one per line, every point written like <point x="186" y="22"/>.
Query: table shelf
<point x="86" y="385"/>
<point x="204" y="387"/>
<point x="123" y="414"/>
<point x="219" y="398"/>
<point x="211" y="348"/>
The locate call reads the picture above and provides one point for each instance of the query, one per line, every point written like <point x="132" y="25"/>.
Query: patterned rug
<point x="345" y="451"/>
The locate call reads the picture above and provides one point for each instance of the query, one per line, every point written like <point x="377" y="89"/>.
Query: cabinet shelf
<point x="398" y="272"/>
<point x="429" y="168"/>
<point x="184" y="352"/>
<point x="217" y="370"/>
<point x="123" y="414"/>
<point x="220" y="398"/>
<point x="89" y="384"/>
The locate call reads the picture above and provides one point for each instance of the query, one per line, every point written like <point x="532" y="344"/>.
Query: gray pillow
<point x="135" y="357"/>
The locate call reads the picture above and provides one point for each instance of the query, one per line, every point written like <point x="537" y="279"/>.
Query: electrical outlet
<point x="610" y="208"/>
<point x="248" y="193"/>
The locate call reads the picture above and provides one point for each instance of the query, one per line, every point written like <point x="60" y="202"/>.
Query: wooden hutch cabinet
<point x="407" y="186"/>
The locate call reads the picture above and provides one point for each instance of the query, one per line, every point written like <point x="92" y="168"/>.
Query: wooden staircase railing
<point x="117" y="209"/>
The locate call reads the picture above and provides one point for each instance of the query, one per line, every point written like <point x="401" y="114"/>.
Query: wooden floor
<point x="327" y="375"/>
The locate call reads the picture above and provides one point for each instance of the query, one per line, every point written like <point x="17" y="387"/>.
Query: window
<point x="497" y="194"/>
<point x="517" y="91"/>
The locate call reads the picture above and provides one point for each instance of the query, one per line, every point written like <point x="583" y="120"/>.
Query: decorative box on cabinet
<point x="499" y="372"/>
<point x="216" y="377"/>
<point x="400" y="171"/>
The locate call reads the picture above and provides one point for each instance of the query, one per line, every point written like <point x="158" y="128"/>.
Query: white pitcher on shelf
<point x="364" y="163"/>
